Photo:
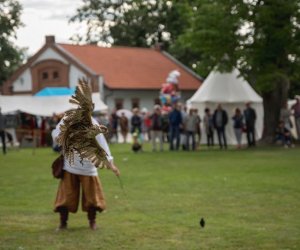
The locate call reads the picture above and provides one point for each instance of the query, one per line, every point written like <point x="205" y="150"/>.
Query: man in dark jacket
<point x="175" y="119"/>
<point x="220" y="119"/>
<point x="250" y="118"/>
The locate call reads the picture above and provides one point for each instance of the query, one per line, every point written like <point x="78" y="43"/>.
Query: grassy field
<point x="250" y="199"/>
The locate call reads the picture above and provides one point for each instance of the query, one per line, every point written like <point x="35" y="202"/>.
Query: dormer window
<point x="55" y="75"/>
<point x="50" y="73"/>
<point x="45" y="75"/>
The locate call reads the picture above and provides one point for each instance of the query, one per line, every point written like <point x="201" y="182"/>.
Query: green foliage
<point x="249" y="199"/>
<point x="259" y="37"/>
<point x="137" y="23"/>
<point x="10" y="55"/>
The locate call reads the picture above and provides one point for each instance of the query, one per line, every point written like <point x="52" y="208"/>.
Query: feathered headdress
<point x="78" y="133"/>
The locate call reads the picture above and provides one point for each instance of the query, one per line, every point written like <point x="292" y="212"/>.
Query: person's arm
<point x="103" y="143"/>
<point x="55" y="132"/>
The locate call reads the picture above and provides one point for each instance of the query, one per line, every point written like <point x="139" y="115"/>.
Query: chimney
<point x="50" y="39"/>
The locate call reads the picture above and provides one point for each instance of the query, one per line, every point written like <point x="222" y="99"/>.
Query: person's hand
<point x="114" y="168"/>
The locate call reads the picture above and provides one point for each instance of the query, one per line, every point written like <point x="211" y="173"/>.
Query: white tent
<point x="43" y="106"/>
<point x="231" y="91"/>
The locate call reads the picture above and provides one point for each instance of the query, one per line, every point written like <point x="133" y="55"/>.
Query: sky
<point x="46" y="17"/>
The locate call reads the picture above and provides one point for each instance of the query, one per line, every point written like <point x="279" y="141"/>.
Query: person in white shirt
<point x="75" y="133"/>
<point x="81" y="173"/>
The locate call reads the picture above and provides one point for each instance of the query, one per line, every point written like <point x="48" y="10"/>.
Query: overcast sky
<point x="46" y="17"/>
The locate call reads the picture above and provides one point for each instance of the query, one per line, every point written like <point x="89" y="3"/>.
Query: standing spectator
<point x="156" y="121"/>
<point x="43" y="130"/>
<point x="209" y="127"/>
<point x="190" y="127"/>
<point x="165" y="126"/>
<point x="136" y="125"/>
<point x="250" y="118"/>
<point x="238" y="126"/>
<point x="114" y="120"/>
<point x="124" y="126"/>
<point x="143" y="115"/>
<point x="220" y="119"/>
<point x="146" y="124"/>
<point x="296" y="112"/>
<point x="2" y="131"/>
<point x="198" y="127"/>
<point x="285" y="115"/>
<point x="175" y="119"/>
<point x="184" y="114"/>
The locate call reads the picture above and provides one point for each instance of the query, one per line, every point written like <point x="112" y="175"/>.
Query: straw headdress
<point x="78" y="133"/>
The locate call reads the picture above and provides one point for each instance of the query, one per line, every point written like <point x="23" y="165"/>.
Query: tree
<point x="139" y="23"/>
<point x="10" y="56"/>
<point x="260" y="38"/>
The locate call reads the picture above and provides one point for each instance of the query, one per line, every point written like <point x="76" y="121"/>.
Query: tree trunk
<point x="273" y="102"/>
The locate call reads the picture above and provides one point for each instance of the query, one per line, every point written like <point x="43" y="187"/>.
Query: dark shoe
<point x="64" y="215"/>
<point x="92" y="218"/>
<point x="93" y="225"/>
<point x="62" y="227"/>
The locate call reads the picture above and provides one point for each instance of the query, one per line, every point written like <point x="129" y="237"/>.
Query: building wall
<point x="49" y="73"/>
<point x="146" y="97"/>
<point x="23" y="82"/>
<point x="74" y="75"/>
<point x="50" y="54"/>
<point x="28" y="81"/>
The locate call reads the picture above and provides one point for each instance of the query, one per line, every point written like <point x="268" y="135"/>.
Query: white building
<point x="126" y="77"/>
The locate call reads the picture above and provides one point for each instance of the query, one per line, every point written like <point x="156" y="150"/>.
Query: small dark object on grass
<point x="136" y="147"/>
<point x="202" y="222"/>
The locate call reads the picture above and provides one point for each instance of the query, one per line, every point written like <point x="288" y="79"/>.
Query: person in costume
<point x="85" y="149"/>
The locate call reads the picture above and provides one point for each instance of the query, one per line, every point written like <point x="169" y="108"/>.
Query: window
<point x="55" y="75"/>
<point x="135" y="103"/>
<point x="118" y="104"/>
<point x="45" y="75"/>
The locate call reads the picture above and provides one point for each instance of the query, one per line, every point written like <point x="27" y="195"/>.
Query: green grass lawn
<point x="250" y="199"/>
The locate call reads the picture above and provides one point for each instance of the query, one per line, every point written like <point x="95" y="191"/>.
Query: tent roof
<point x="225" y="88"/>
<point x="43" y="106"/>
<point x="55" y="91"/>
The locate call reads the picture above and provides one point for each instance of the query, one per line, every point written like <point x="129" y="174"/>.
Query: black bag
<point x="57" y="167"/>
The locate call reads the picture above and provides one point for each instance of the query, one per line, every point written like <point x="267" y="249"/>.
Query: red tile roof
<point x="131" y="68"/>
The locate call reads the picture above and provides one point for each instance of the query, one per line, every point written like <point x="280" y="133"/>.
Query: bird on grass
<point x="202" y="222"/>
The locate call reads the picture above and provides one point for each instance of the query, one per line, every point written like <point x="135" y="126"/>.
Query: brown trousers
<point x="68" y="193"/>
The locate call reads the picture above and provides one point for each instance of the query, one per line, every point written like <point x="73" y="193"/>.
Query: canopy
<point x="43" y="106"/>
<point x="231" y="91"/>
<point x="55" y="91"/>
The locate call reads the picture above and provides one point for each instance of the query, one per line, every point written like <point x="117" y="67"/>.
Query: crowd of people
<point x="179" y="127"/>
<point x="183" y="129"/>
